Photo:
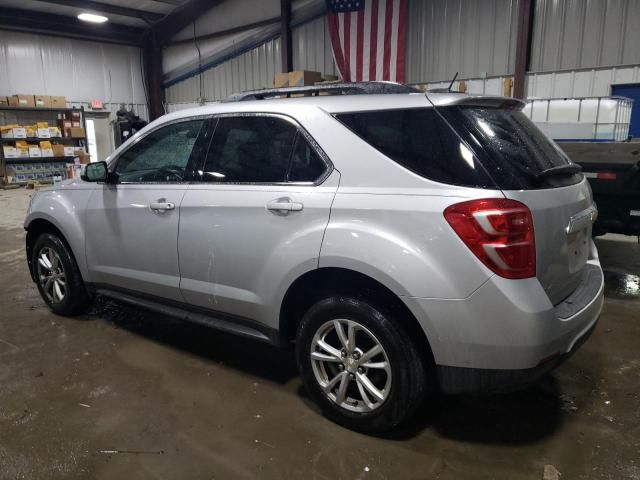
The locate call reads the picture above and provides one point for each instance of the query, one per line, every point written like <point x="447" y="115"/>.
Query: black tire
<point x="76" y="299"/>
<point x="408" y="375"/>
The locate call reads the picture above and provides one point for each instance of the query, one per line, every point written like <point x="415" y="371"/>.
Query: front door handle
<point x="284" y="206"/>
<point x="162" y="206"/>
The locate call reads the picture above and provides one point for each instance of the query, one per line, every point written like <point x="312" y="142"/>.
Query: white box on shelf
<point x="34" y="152"/>
<point x="47" y="152"/>
<point x="10" y="152"/>
<point x="69" y="151"/>
<point x="44" y="133"/>
<point x="54" y="132"/>
<point x="20" y="132"/>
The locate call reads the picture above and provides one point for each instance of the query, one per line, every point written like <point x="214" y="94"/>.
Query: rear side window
<point x="248" y="149"/>
<point x="419" y="140"/>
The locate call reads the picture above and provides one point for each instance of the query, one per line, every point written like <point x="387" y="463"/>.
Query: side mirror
<point x="95" y="172"/>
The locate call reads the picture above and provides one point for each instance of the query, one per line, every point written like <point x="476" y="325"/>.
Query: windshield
<point x="511" y="146"/>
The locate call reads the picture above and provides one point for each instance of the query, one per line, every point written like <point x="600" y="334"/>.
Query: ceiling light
<point x="90" y="17"/>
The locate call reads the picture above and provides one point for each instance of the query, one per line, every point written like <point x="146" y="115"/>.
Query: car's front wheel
<point x="359" y="365"/>
<point x="57" y="276"/>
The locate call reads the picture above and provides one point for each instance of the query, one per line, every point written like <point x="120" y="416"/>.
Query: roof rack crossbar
<point x="355" y="88"/>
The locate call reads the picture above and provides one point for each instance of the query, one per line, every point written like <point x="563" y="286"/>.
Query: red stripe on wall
<point x="347" y="47"/>
<point x="374" y="40"/>
<point x="360" y="46"/>
<point x="386" y="61"/>
<point x="402" y="40"/>
<point x="334" y="24"/>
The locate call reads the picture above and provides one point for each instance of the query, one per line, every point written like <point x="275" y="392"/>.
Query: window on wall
<point x="161" y="156"/>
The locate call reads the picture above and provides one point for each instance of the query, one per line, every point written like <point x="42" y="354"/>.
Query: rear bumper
<point x="507" y="333"/>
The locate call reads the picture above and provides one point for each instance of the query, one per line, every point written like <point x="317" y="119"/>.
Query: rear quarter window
<point x="421" y="141"/>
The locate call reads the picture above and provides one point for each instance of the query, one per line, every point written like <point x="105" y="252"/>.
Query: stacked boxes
<point x="33" y="101"/>
<point x="23" y="172"/>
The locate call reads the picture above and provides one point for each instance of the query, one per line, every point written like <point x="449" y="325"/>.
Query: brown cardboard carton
<point x="4" y="102"/>
<point x="58" y="150"/>
<point x="302" y="78"/>
<point x="281" y="80"/>
<point x="330" y="78"/>
<point x="24" y="101"/>
<point x="76" y="132"/>
<point x="58" y="102"/>
<point x="42" y="101"/>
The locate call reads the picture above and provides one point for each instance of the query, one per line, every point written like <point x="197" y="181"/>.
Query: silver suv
<point x="404" y="242"/>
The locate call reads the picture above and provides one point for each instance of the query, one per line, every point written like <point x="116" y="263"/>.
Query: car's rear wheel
<point x="57" y="276"/>
<point x="359" y="365"/>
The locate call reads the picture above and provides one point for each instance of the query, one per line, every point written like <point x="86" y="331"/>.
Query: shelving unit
<point x="29" y="116"/>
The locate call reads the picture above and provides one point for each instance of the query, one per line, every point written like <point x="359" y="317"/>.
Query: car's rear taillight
<point x="499" y="232"/>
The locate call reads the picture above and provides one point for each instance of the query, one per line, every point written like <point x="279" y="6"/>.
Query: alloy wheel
<point x="350" y="365"/>
<point x="51" y="275"/>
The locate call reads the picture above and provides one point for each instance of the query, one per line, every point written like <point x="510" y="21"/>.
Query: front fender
<point x="65" y="210"/>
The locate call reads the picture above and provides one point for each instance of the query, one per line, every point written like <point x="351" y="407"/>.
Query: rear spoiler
<point x="475" y="101"/>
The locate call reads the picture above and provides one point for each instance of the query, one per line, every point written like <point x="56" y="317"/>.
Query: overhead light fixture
<point x="90" y="17"/>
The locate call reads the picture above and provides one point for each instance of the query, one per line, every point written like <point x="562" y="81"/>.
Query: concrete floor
<point x="176" y="400"/>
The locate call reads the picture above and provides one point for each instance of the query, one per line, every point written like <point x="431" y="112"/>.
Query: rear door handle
<point x="284" y="206"/>
<point x="162" y="207"/>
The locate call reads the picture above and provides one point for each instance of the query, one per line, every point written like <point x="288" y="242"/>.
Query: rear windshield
<point x="510" y="146"/>
<point x="493" y="148"/>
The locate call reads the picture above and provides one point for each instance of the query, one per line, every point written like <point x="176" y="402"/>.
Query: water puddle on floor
<point x="621" y="285"/>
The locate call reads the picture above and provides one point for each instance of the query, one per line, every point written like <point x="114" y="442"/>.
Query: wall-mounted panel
<point x="79" y="70"/>
<point x="575" y="34"/>
<point x="467" y="36"/>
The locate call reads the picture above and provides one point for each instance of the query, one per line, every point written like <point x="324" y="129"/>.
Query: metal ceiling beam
<point x="68" y="27"/>
<point x="180" y="18"/>
<point x="108" y="9"/>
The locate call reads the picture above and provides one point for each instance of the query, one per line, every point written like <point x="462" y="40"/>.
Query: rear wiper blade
<point x="567" y="169"/>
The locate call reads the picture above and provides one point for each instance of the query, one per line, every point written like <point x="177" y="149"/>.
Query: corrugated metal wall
<point x="253" y="69"/>
<point x="79" y="70"/>
<point x="572" y="34"/>
<point x="311" y="46"/>
<point x="471" y="37"/>
<point x="256" y="68"/>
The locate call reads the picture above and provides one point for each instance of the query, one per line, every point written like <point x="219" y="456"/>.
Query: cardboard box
<point x="330" y="78"/>
<point x="47" y="152"/>
<point x="54" y="132"/>
<point x="302" y="78"/>
<point x="34" y="151"/>
<point x="4" y="101"/>
<point x="9" y="152"/>
<point x="83" y="157"/>
<point x="43" y="133"/>
<point x="281" y="80"/>
<point x="24" y="101"/>
<point x="58" y="150"/>
<point x="42" y="101"/>
<point x="76" y="132"/>
<point x="69" y="151"/>
<point x="58" y="102"/>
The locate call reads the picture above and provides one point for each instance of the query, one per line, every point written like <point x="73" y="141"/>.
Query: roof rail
<point x="354" y="88"/>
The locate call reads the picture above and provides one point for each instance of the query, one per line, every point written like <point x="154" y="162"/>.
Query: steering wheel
<point x="169" y="173"/>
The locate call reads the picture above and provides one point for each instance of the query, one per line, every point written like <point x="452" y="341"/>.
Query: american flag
<point x="368" y="38"/>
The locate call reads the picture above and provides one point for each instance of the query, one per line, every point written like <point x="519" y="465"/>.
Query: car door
<point x="132" y="222"/>
<point x="255" y="219"/>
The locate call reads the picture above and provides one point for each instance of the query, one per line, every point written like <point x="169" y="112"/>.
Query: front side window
<point x="161" y="156"/>
<point x="250" y="149"/>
